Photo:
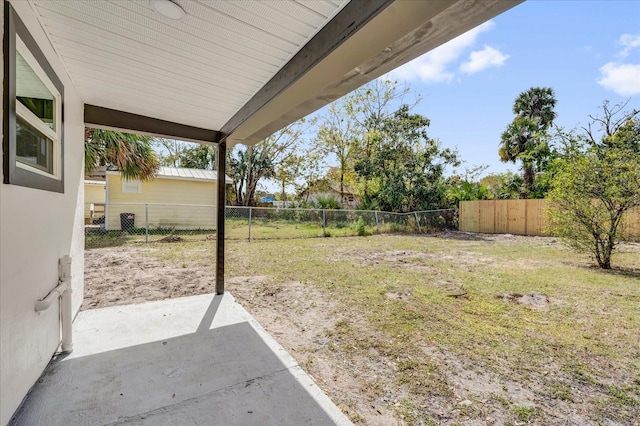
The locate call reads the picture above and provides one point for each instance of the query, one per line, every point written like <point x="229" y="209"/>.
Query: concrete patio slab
<point x="200" y="360"/>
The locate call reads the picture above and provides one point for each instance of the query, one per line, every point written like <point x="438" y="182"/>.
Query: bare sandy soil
<point x="125" y="275"/>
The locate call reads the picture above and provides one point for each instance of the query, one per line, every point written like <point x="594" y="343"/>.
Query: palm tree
<point x="131" y="154"/>
<point x="524" y="138"/>
<point x="537" y="102"/>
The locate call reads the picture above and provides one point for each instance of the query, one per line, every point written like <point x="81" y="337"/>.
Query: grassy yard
<point x="457" y="329"/>
<point x="270" y="228"/>
<point x="235" y="230"/>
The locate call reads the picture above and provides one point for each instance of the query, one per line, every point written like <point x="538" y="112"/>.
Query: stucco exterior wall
<point x="31" y="244"/>
<point x="171" y="203"/>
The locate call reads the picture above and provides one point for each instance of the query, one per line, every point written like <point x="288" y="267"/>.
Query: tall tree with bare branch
<point x="247" y="166"/>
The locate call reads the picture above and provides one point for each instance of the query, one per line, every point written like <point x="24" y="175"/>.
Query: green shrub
<point x="396" y="227"/>
<point x="329" y="202"/>
<point x="359" y="227"/>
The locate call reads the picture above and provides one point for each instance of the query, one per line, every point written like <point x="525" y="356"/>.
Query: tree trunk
<point x="238" y="189"/>
<point x="527" y="180"/>
<point x="248" y="197"/>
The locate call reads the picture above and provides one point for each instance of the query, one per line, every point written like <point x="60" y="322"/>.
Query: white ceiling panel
<point x="322" y="8"/>
<point x="197" y="71"/>
<point x="159" y="60"/>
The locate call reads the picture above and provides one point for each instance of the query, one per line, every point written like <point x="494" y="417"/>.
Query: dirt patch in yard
<point x="410" y="259"/>
<point x="126" y="275"/>
<point x="531" y="300"/>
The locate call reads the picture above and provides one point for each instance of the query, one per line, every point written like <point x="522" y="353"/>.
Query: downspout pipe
<point x="62" y="292"/>
<point x="66" y="345"/>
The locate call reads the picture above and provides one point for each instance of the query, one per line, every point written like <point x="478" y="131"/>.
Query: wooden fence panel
<point x="469" y="216"/>
<point x="501" y="220"/>
<point x="487" y="216"/>
<point x="516" y="216"/>
<point x="632" y="224"/>
<point x="462" y="216"/>
<point x="522" y="217"/>
<point x="535" y="217"/>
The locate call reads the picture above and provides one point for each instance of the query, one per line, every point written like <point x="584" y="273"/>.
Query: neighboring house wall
<point x="94" y="193"/>
<point x="348" y="200"/>
<point x="31" y="244"/>
<point x="283" y="204"/>
<point x="172" y="203"/>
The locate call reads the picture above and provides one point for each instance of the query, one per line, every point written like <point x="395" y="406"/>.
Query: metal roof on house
<point x="189" y="174"/>
<point x="165" y="172"/>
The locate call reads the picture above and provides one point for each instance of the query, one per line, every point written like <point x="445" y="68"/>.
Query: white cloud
<point x="432" y="66"/>
<point x="624" y="79"/>
<point x="628" y="42"/>
<point x="483" y="59"/>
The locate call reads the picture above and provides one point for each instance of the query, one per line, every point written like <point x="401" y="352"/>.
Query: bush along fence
<point x="263" y="222"/>
<point x="152" y="222"/>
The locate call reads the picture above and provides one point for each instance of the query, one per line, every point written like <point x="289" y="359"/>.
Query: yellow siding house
<point x="176" y="198"/>
<point x="94" y="199"/>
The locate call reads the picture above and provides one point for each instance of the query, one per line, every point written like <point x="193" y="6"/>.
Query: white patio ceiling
<point x="223" y="67"/>
<point x="197" y="71"/>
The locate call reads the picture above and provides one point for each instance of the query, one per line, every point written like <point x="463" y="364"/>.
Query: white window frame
<point x="18" y="40"/>
<point x="24" y="113"/>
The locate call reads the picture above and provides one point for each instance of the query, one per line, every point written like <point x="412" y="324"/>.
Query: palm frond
<point x="131" y="154"/>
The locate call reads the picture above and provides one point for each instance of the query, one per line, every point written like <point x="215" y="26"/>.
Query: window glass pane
<point x="32" y="147"/>
<point x="33" y="94"/>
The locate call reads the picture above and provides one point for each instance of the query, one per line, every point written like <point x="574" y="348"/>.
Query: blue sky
<point x="587" y="51"/>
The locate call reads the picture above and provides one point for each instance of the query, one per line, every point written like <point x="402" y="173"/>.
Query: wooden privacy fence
<point x="520" y="217"/>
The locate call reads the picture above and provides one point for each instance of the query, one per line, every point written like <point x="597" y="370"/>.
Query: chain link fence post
<point x="250" y="215"/>
<point x="324" y="222"/>
<point x="377" y="223"/>
<point x="146" y="223"/>
<point x="417" y="222"/>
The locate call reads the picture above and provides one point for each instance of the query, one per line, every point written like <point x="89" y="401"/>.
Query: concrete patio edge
<point x="194" y="360"/>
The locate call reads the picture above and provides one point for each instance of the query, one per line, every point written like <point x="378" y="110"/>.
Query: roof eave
<point x="400" y="32"/>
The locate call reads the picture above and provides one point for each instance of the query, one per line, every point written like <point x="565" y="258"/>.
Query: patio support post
<point x="221" y="202"/>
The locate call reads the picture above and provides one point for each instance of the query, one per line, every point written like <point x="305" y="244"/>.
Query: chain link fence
<point x="112" y="224"/>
